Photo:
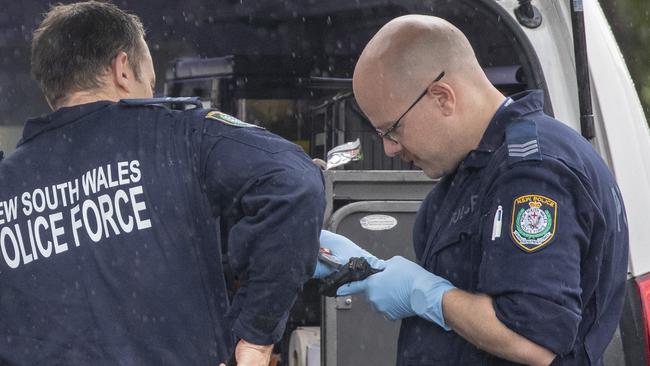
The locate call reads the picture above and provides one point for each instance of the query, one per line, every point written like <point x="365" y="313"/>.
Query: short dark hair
<point x="75" y="44"/>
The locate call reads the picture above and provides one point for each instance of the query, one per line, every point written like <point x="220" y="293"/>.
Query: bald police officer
<point x="522" y="246"/>
<point x="114" y="209"/>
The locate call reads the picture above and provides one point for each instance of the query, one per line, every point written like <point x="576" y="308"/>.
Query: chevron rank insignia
<point x="521" y="140"/>
<point x="228" y="119"/>
<point x="534" y="219"/>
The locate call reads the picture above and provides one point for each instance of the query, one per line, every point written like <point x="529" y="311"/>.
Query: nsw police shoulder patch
<point x="228" y="119"/>
<point x="534" y="218"/>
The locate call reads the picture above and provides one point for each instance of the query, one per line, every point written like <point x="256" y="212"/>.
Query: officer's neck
<point x="85" y="97"/>
<point x="485" y="110"/>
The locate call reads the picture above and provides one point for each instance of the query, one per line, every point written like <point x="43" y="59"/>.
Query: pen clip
<point x="496" y="225"/>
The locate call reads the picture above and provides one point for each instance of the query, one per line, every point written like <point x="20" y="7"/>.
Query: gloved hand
<point x="403" y="289"/>
<point x="343" y="249"/>
<point x="249" y="354"/>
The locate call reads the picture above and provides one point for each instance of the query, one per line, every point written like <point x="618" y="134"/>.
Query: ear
<point x="445" y="98"/>
<point x="121" y="72"/>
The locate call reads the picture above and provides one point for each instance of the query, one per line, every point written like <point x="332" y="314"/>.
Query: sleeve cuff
<point x="244" y="330"/>
<point x="551" y="325"/>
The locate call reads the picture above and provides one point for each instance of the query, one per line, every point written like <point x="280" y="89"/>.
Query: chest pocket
<point x="457" y="253"/>
<point x="455" y="250"/>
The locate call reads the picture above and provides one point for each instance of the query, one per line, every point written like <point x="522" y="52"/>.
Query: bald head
<point x="408" y="53"/>
<point x="400" y="63"/>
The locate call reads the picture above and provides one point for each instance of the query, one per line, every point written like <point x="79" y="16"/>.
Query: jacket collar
<point x="516" y="106"/>
<point x="59" y="118"/>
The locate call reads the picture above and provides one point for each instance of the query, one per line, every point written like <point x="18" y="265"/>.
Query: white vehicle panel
<point x="626" y="130"/>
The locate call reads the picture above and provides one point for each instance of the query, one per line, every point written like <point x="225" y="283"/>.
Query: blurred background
<point x="178" y="29"/>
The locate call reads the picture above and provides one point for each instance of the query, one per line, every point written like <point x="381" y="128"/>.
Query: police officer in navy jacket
<point x="114" y="214"/>
<point x="522" y="246"/>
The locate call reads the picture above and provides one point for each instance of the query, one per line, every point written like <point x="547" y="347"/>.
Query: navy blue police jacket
<point x="533" y="218"/>
<point x="113" y="215"/>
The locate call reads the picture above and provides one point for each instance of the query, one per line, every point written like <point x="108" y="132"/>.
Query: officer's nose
<point x="391" y="147"/>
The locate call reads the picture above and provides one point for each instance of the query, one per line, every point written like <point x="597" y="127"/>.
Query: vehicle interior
<point x="289" y="68"/>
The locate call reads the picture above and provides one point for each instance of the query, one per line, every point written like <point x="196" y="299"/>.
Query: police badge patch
<point x="228" y="119"/>
<point x="534" y="219"/>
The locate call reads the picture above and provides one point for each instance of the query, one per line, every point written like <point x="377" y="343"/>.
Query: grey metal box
<point x="352" y="333"/>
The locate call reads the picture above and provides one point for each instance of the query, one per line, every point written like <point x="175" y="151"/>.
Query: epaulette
<point x="522" y="143"/>
<point x="195" y="101"/>
<point x="228" y="119"/>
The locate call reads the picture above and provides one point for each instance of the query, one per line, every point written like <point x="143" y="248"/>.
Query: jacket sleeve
<point x="532" y="266"/>
<point x="270" y="198"/>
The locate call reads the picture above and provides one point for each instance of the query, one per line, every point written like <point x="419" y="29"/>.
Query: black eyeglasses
<point x="388" y="133"/>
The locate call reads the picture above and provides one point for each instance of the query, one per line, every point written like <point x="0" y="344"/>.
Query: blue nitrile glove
<point x="403" y="289"/>
<point x="343" y="249"/>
